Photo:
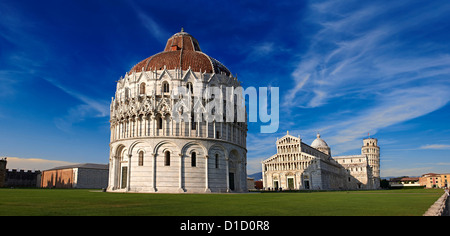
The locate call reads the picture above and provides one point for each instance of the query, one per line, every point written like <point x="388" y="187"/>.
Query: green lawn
<point x="88" y="202"/>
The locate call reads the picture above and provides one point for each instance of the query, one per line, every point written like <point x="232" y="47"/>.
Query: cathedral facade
<point x="165" y="134"/>
<point x="299" y="166"/>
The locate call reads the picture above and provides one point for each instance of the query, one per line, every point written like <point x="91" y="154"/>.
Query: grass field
<point x="88" y="202"/>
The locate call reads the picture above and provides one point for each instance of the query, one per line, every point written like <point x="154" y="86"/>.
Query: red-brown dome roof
<point x="182" y="51"/>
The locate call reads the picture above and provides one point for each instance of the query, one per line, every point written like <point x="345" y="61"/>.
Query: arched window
<point x="167" y="158"/>
<point x="141" y="158"/>
<point x="160" y="122"/>
<point x="142" y="88"/>
<point x="217" y="160"/>
<point x="165" y="87"/>
<point x="127" y="93"/>
<point x="194" y="159"/>
<point x="190" y="87"/>
<point x="193" y="124"/>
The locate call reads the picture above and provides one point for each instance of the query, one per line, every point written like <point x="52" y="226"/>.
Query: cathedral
<point x="299" y="166"/>
<point x="164" y="135"/>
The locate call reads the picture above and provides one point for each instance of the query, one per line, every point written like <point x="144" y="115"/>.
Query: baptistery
<point x="178" y="124"/>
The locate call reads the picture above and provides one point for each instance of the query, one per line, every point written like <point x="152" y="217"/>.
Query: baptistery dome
<point x="162" y="141"/>
<point x="181" y="51"/>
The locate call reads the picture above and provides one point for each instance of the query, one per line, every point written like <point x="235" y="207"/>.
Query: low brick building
<point x="87" y="175"/>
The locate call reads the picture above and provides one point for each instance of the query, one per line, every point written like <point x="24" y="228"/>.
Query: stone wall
<point x="439" y="208"/>
<point x="22" y="178"/>
<point x="2" y="172"/>
<point x="90" y="178"/>
<point x="57" y="178"/>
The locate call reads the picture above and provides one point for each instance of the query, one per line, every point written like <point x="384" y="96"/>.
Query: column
<point x="119" y="124"/>
<point x="164" y="125"/>
<point x="227" y="172"/>
<point x="221" y="130"/>
<point x="154" y="172"/>
<point x="111" y="129"/>
<point x="153" y="120"/>
<point x="190" y="126"/>
<point x="129" y="172"/>
<point x="122" y="129"/>
<point x="180" y="183"/>
<point x="198" y="125"/>
<point x="130" y="127"/>
<point x="226" y="131"/>
<point x="171" y="126"/>
<point x="264" y="175"/>
<point x="137" y="127"/>
<point x="145" y="120"/>
<point x="182" y="125"/>
<point x="207" y="189"/>
<point x="111" y="177"/>
<point x="237" y="177"/>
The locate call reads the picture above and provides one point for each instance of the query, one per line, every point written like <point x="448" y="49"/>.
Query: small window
<point x="190" y="87"/>
<point x="194" y="159"/>
<point x="141" y="158"/>
<point x="142" y="88"/>
<point x="167" y="158"/>
<point x="159" y="121"/>
<point x="165" y="87"/>
<point x="193" y="124"/>
<point x="217" y="160"/>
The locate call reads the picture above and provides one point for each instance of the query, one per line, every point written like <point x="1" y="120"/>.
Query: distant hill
<point x="256" y="176"/>
<point x="391" y="177"/>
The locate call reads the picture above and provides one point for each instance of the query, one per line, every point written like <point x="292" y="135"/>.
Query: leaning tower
<point x="372" y="151"/>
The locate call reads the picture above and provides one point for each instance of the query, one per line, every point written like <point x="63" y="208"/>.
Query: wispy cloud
<point x="152" y="26"/>
<point x="352" y="51"/>
<point x="87" y="109"/>
<point x="406" y="171"/>
<point x="34" y="163"/>
<point x="31" y="61"/>
<point x="18" y="65"/>
<point x="356" y="54"/>
<point x="364" y="68"/>
<point x="158" y="32"/>
<point x="436" y="146"/>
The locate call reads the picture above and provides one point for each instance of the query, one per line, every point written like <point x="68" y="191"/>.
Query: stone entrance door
<point x="306" y="184"/>
<point x="275" y="184"/>
<point x="124" y="176"/>
<point x="231" y="180"/>
<point x="290" y="183"/>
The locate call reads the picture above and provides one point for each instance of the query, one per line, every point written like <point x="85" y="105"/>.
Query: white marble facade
<point x="299" y="166"/>
<point x="151" y="151"/>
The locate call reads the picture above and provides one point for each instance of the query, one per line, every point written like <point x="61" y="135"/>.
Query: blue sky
<point x="344" y="69"/>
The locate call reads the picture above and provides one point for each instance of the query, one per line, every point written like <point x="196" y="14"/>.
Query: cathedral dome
<point x="182" y="51"/>
<point x="318" y="142"/>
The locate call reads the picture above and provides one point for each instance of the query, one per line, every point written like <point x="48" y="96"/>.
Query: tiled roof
<point x="83" y="165"/>
<point x="181" y="51"/>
